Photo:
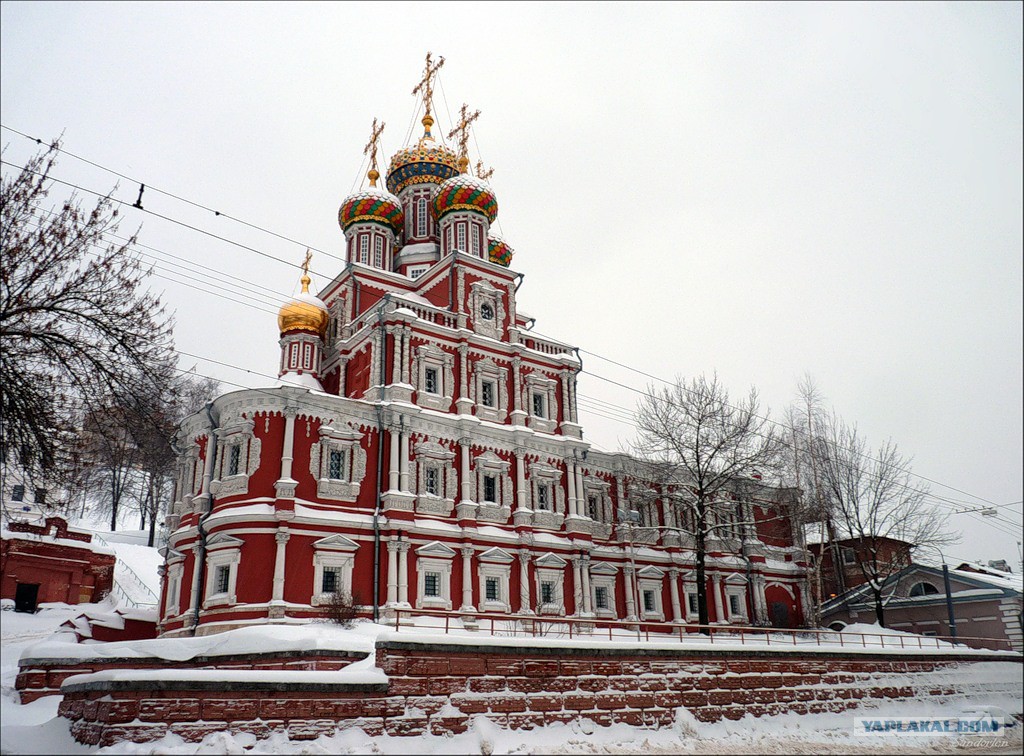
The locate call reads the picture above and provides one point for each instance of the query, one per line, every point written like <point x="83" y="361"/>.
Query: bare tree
<point x="76" y="323"/>
<point x="708" y="450"/>
<point x="876" y="501"/>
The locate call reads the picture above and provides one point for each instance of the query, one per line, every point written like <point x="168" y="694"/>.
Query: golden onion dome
<point x="304" y="312"/>
<point x="425" y="162"/>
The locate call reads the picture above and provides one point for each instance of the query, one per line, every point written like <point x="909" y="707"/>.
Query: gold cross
<point x="483" y="173"/>
<point x="305" y="263"/>
<point x="371" y="150"/>
<point x="427" y="82"/>
<point x="462" y="129"/>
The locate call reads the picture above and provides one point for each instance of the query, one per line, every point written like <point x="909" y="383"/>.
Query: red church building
<point x="423" y="450"/>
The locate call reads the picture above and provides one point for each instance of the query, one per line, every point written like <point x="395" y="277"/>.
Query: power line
<point x="251" y="249"/>
<point x="152" y="188"/>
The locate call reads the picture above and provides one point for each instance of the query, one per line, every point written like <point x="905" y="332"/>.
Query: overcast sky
<point x="759" y="190"/>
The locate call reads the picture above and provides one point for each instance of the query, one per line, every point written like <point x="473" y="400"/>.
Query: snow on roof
<point x="69" y="542"/>
<point x="991" y="576"/>
<point x="298" y="380"/>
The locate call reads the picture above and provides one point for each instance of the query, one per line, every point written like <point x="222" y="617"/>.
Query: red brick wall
<point x="518" y="689"/>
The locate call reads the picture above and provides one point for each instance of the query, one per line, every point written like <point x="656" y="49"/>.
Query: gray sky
<point x="762" y="190"/>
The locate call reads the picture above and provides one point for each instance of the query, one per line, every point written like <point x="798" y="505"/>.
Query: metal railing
<point x="541" y="626"/>
<point x="125" y="570"/>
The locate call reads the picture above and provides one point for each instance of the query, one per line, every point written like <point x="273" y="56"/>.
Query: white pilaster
<point x="466" y="485"/>
<point x="403" y="461"/>
<point x="520" y="479"/>
<point x="393" y="468"/>
<point x="628" y="576"/>
<point x="587" y="608"/>
<point x="392" y="571"/>
<point x="525" y="603"/>
<point x="716" y="587"/>
<point x="673" y="585"/>
<point x="467" y="580"/>
<point x="281" y="538"/>
<point x="570" y="474"/>
<point x="577" y="587"/>
<point x="403" y="572"/>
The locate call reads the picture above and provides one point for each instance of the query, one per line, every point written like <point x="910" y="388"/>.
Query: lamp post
<point x="949" y="592"/>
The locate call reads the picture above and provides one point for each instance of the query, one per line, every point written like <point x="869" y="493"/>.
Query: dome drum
<point x="426" y="162"/>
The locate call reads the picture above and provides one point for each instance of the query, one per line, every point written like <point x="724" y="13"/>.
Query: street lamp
<point x="949" y="592"/>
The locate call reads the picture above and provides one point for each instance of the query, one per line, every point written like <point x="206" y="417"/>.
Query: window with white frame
<point x="223" y="556"/>
<point x="548" y="494"/>
<point x="493" y="487"/>
<point x="417" y="271"/>
<point x="378" y="251"/>
<point x="238" y="457"/>
<point x="736" y="602"/>
<point x="337" y="462"/>
<point x="433" y="369"/>
<point x="649" y="584"/>
<point x="486" y="303"/>
<point x="435" y="478"/>
<point x="433" y="576"/>
<point x="421" y="217"/>
<point x="692" y="605"/>
<point x="333" y="560"/>
<point x="494" y="569"/>
<point x="474" y="232"/>
<point x="602" y="587"/>
<point x="460" y="230"/>
<point x="489" y="389"/>
<point x="539" y="396"/>
<point x="550" y="577"/>
<point x="364" y="248"/>
<point x="175" y="569"/>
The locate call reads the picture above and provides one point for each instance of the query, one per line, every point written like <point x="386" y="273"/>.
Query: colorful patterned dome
<point x="372" y="205"/>
<point x="466" y="193"/>
<point x="498" y="251"/>
<point x="424" y="163"/>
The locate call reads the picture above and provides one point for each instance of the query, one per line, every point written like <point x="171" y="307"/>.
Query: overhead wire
<point x="248" y="248"/>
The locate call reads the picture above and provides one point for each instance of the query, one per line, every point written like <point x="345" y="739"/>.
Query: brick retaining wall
<point x="435" y="688"/>
<point x="43" y="677"/>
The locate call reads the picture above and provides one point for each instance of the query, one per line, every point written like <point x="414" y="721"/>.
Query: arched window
<point x="421" y="217"/>
<point x="923" y="589"/>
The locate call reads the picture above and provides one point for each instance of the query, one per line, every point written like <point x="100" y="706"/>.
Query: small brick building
<point x="50" y="562"/>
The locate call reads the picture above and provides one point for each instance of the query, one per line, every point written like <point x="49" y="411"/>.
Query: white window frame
<point x="378" y="251"/>
<point x="487" y="371"/>
<point x="603" y="575"/>
<point x="434" y="557"/>
<point x="364" y="248"/>
<point x="550" y="568"/>
<point x="651" y="579"/>
<point x="415" y="271"/>
<point x="536" y="383"/>
<point x="222" y="551"/>
<point x="495" y="563"/>
<point x="421" y="217"/>
<point x="483" y="292"/>
<point x="736" y="585"/>
<point x="690" y="589"/>
<point x="430" y="356"/>
<point x="175" y="572"/>
<point x="335" y="551"/>
<point x="348" y="441"/>
<point x="241" y="434"/>
<point x="490" y="464"/>
<point x="431" y="455"/>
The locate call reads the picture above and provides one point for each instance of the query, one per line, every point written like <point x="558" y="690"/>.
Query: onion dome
<point x="426" y="162"/>
<point x="464" y="192"/>
<point x="304" y="312"/>
<point x="498" y="251"/>
<point x="374" y="206"/>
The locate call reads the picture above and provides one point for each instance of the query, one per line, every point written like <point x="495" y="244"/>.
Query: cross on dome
<point x="462" y="129"/>
<point x="371" y="149"/>
<point x="426" y="85"/>
<point x="481" y="172"/>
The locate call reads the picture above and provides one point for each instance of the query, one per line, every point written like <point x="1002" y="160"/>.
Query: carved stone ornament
<point x="347" y="441"/>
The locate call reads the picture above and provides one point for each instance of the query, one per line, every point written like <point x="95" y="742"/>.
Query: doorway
<point x="26" y="596"/>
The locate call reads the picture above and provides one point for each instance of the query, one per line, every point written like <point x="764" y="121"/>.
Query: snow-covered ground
<point x="35" y="728"/>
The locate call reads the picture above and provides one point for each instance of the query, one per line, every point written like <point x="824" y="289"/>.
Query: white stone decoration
<point x="486" y="370"/>
<point x="480" y="293"/>
<point x="496" y="564"/>
<point x="431" y="455"/>
<point x="347" y="440"/>
<point x="547" y="389"/>
<point x="335" y="551"/>
<point x="435" y="558"/>
<point x="430" y="356"/>
<point x="238" y="435"/>
<point x="550" y="568"/>
<point x="222" y="550"/>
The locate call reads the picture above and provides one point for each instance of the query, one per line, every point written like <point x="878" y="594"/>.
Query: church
<point x="422" y="451"/>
